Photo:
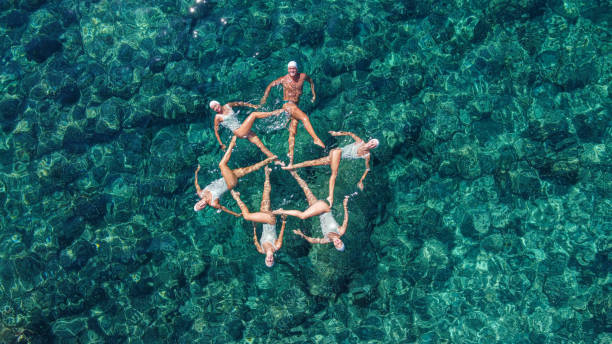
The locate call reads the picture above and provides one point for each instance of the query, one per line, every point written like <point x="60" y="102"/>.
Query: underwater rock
<point x="56" y="170"/>
<point x="181" y="73"/>
<point x="69" y="327"/>
<point x="557" y="290"/>
<point x="68" y="94"/>
<point x="92" y="208"/>
<point x="590" y="127"/>
<point x="30" y="5"/>
<point x="168" y="153"/>
<point x="111" y="113"/>
<point x="341" y="27"/>
<point x="329" y="275"/>
<point x="79" y="254"/>
<point x="68" y="229"/>
<point x="572" y="76"/>
<point x="10" y="107"/>
<point x="41" y="48"/>
<point x="74" y="135"/>
<point x="157" y="63"/>
<point x="124" y="81"/>
<point x="14" y="19"/>
<point x="524" y="182"/>
<point x="125" y="53"/>
<point x="28" y="266"/>
<point x="369" y="333"/>
<point x="508" y="10"/>
<point x="153" y="85"/>
<point x="493" y="243"/>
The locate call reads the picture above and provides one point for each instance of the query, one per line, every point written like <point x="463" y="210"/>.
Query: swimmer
<point x="269" y="243"/>
<point x="356" y="150"/>
<point x="226" y="116"/>
<point x="292" y="84"/>
<point x="329" y="227"/>
<point x="211" y="194"/>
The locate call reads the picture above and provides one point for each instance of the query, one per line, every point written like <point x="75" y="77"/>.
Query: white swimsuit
<point x="217" y="188"/>
<point x="350" y="151"/>
<point x="268" y="235"/>
<point x="328" y="224"/>
<point x="230" y="121"/>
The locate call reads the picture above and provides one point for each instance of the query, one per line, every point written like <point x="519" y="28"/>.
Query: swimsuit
<point x="217" y="188"/>
<point x="350" y="151"/>
<point x="328" y="224"/>
<point x="230" y="121"/>
<point x="268" y="235"/>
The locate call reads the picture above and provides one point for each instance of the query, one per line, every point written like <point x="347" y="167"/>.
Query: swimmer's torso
<point x="292" y="90"/>
<point x="328" y="224"/>
<point x="268" y="235"/>
<point x="352" y="151"/>
<point x="217" y="188"/>
<point x="230" y="120"/>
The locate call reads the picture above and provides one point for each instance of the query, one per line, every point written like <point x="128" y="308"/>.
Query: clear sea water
<point x="485" y="217"/>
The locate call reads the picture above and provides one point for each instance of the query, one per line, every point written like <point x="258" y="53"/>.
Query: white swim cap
<point x="341" y="249"/>
<point x="292" y="64"/>
<point x="213" y="103"/>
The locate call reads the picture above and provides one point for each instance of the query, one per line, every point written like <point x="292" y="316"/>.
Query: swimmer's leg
<point x="317" y="208"/>
<point x="317" y="162"/>
<point x="310" y="197"/>
<point x="257" y="142"/>
<point x="246" y="126"/>
<point x="255" y="217"/>
<point x="230" y="178"/>
<point x="265" y="199"/>
<point x="292" y="131"/>
<point x="240" y="172"/>
<point x="335" y="155"/>
<point x="298" y="114"/>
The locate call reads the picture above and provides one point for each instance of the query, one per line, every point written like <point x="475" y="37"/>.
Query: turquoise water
<point x="485" y="218"/>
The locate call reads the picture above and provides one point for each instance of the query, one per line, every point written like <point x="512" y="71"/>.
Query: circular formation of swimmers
<point x="269" y="242"/>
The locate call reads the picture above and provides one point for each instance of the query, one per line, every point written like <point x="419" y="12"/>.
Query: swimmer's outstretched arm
<point x="197" y="186"/>
<point x="342" y="228"/>
<point x="257" y="245"/>
<point x="346" y="133"/>
<point x="232" y="104"/>
<point x="229" y="211"/>
<point x="314" y="95"/>
<point x="218" y="120"/>
<point x="279" y="242"/>
<point x="365" y="173"/>
<point x="311" y="240"/>
<point x="267" y="92"/>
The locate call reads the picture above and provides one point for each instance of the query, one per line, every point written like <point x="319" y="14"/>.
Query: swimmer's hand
<point x="223" y="147"/>
<point x="334" y="133"/>
<point x="313" y="98"/>
<point x="360" y="186"/>
<point x="298" y="232"/>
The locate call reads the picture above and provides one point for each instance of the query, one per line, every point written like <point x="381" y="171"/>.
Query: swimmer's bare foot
<point x="270" y="159"/>
<point x="319" y="143"/>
